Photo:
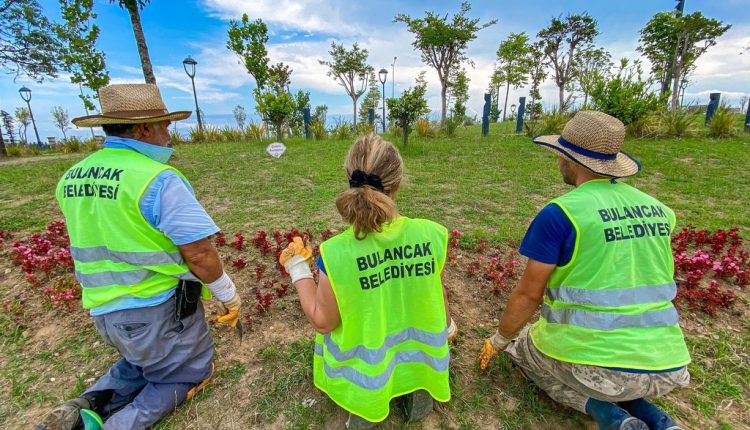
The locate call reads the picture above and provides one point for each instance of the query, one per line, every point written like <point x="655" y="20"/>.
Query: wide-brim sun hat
<point x="130" y="104"/>
<point x="593" y="140"/>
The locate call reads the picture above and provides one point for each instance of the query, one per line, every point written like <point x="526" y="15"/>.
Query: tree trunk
<point x="354" y="103"/>
<point x="443" y="96"/>
<point x="65" y="136"/>
<point x="140" y="41"/>
<point x="279" y="131"/>
<point x="676" y="76"/>
<point x="562" y="99"/>
<point x="3" y="152"/>
<point x="585" y="100"/>
<point x="505" y="106"/>
<point x="405" y="134"/>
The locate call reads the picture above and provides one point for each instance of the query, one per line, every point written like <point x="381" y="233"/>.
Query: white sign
<point x="276" y="149"/>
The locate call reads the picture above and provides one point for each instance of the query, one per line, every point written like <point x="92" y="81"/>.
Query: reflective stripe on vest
<point x="145" y="258"/>
<point x="614" y="297"/>
<point x="379" y="381"/>
<point x="610" y="321"/>
<point x="128" y="277"/>
<point x="393" y="337"/>
<point x="611" y="305"/>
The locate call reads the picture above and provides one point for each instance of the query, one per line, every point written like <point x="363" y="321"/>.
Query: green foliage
<point x="231" y="134"/>
<point x="423" y="128"/>
<point x="552" y="123"/>
<point x="23" y="118"/>
<point x="591" y="65"/>
<point x="721" y="124"/>
<point x="405" y="110"/>
<point x="61" y="119"/>
<point x="626" y="96"/>
<point x="239" y="116"/>
<point x="80" y="58"/>
<point x="350" y="69"/>
<point x="72" y="145"/>
<point x="320" y="114"/>
<point x="8" y="123"/>
<point x="673" y="43"/>
<point x="513" y="63"/>
<point x="371" y="101"/>
<point x="538" y="64"/>
<point x="196" y="135"/>
<point x="248" y="40"/>
<point x="458" y="90"/>
<point x="255" y="131"/>
<point x="677" y="122"/>
<point x="342" y="130"/>
<point x="645" y="127"/>
<point x="14" y="150"/>
<point x="275" y="108"/>
<point x="443" y="42"/>
<point x="451" y="125"/>
<point x="561" y="41"/>
<point x="297" y="119"/>
<point x="28" y="43"/>
<point x="318" y="129"/>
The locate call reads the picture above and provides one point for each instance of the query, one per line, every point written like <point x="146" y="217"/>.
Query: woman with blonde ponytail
<point x="379" y="306"/>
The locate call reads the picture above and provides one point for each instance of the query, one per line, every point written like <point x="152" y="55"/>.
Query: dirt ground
<point x="265" y="380"/>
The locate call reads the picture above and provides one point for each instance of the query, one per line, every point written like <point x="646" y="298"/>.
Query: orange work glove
<point x="231" y="312"/>
<point x="296" y="259"/>
<point x="490" y="349"/>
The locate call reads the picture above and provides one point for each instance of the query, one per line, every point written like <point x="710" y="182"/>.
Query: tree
<point x="561" y="41"/>
<point x="321" y="111"/>
<point x="297" y="119"/>
<point x="239" y="116"/>
<point x="679" y="40"/>
<point x="513" y="62"/>
<point x="496" y="80"/>
<point x="274" y="103"/>
<point x="371" y="100"/>
<point x="61" y="119"/>
<point x="626" y="96"/>
<point x="28" y="43"/>
<point x="350" y="69"/>
<point x="405" y="110"/>
<point x="591" y="63"/>
<point x="443" y="42"/>
<point x="538" y="64"/>
<point x="9" y="129"/>
<point x="80" y="58"/>
<point x="459" y="91"/>
<point x="23" y="118"/>
<point x="248" y="40"/>
<point x="134" y="7"/>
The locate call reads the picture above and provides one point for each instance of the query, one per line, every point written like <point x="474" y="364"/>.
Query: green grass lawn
<point x="489" y="187"/>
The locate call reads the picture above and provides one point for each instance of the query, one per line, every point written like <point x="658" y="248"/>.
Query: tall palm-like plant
<point x="134" y="7"/>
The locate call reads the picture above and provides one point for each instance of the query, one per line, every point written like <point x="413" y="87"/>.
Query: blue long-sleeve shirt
<point x="169" y="205"/>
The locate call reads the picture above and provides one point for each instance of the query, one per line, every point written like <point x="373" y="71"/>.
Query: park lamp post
<point x="513" y="110"/>
<point x="393" y="78"/>
<point x="189" y="65"/>
<point x="26" y="96"/>
<point x="383" y="75"/>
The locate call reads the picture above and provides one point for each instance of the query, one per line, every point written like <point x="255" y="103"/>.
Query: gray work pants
<point x="573" y="384"/>
<point x="162" y="359"/>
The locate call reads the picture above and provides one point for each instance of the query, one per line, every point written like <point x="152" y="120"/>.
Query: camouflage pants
<point x="573" y="384"/>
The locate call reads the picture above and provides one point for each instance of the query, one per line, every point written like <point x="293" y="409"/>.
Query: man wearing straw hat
<point x="139" y="241"/>
<point x="600" y="266"/>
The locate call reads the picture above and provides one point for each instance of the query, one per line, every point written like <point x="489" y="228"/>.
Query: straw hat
<point x="130" y="104"/>
<point x="593" y="140"/>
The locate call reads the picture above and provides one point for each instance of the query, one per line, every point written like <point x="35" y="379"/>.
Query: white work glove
<point x="452" y="331"/>
<point x="296" y="259"/>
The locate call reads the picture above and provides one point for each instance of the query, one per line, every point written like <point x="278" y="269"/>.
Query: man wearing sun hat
<point x="600" y="266"/>
<point x="139" y="242"/>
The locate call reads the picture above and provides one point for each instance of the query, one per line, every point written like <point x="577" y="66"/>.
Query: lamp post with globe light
<point x="383" y="75"/>
<point x="26" y="96"/>
<point x="189" y="64"/>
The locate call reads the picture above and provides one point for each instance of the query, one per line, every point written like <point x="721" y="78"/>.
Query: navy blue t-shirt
<point x="550" y="238"/>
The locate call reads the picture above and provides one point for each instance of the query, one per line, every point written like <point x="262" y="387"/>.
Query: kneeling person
<point x="600" y="265"/>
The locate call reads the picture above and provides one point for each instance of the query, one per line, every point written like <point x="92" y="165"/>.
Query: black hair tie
<point x="360" y="179"/>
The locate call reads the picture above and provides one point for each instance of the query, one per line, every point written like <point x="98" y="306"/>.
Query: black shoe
<point x="66" y="416"/>
<point x="417" y="405"/>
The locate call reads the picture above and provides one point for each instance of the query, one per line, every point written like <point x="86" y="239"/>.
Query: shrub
<point x="213" y="133"/>
<point x="451" y="125"/>
<point x="13" y="150"/>
<point x="72" y="145"/>
<point x="721" y="124"/>
<point x="648" y="126"/>
<point x="197" y="135"/>
<point x="677" y="122"/>
<point x="175" y="138"/>
<point x="318" y="129"/>
<point x="551" y="123"/>
<point x="627" y="96"/>
<point x="91" y="145"/>
<point x="423" y="128"/>
<point x="31" y="151"/>
<point x="255" y="131"/>
<point x="341" y="129"/>
<point x="231" y="134"/>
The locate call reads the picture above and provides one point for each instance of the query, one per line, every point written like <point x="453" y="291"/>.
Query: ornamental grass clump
<point x="721" y="124"/>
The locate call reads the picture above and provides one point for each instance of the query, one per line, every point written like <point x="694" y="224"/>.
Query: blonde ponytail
<point x="365" y="206"/>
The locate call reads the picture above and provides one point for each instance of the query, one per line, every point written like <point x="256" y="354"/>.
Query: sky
<point x="301" y="32"/>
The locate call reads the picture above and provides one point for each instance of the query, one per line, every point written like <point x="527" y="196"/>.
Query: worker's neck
<point x="584" y="176"/>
